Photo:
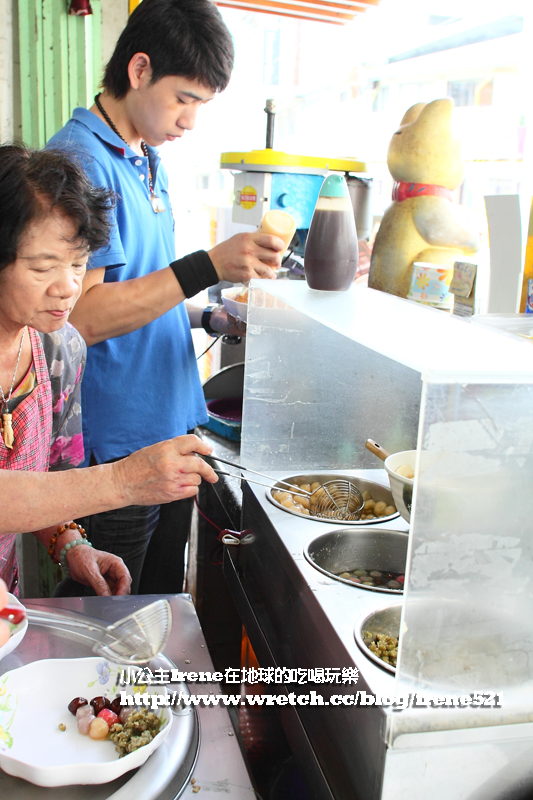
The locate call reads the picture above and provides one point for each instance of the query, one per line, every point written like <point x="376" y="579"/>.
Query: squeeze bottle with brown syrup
<point x="331" y="250"/>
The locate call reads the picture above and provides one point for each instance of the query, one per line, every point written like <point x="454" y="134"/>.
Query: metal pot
<point x="365" y="548"/>
<point x="386" y="621"/>
<point x="378" y="491"/>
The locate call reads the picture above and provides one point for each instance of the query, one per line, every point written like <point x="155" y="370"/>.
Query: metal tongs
<point x="335" y="499"/>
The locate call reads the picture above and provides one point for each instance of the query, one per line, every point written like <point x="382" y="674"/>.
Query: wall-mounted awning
<point x="338" y="12"/>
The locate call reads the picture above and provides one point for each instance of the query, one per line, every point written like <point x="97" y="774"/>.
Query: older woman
<point x="51" y="218"/>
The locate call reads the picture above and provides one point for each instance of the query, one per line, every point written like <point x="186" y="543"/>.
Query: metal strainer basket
<point x="336" y="499"/>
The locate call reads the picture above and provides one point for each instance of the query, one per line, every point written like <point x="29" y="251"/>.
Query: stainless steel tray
<point x="165" y="774"/>
<point x="379" y="492"/>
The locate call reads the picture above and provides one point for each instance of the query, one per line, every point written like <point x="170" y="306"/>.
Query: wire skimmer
<point x="337" y="499"/>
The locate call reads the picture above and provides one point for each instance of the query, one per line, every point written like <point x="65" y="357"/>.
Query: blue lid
<point x="334" y="186"/>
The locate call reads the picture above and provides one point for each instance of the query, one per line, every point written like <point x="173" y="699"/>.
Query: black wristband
<point x="195" y="272"/>
<point x="206" y="319"/>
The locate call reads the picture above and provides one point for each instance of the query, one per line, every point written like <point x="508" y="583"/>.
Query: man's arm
<point x="107" y="310"/>
<point x="220" y="321"/>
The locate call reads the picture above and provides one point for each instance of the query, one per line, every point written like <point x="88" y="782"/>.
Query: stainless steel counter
<point x="219" y="769"/>
<point x="297" y="617"/>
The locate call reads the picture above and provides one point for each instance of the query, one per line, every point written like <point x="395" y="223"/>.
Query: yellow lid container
<point x="277" y="161"/>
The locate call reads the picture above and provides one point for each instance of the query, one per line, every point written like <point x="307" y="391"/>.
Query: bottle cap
<point x="334" y="186"/>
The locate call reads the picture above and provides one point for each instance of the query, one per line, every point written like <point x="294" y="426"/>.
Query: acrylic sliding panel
<point x="468" y="605"/>
<point x="312" y="396"/>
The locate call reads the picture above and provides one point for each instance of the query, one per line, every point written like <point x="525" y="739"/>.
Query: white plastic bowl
<point x="401" y="488"/>
<point x="34" y="702"/>
<point x="234" y="307"/>
<point x="18" y="633"/>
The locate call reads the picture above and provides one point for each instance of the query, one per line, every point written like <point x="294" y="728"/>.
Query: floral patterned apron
<point x="32" y="426"/>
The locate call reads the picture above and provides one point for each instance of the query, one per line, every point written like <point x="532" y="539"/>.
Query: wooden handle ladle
<point x="377" y="449"/>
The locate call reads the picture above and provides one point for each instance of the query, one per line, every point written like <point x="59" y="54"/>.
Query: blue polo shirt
<point x="143" y="387"/>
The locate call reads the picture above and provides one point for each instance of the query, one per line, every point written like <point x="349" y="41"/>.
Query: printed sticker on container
<point x="248" y="197"/>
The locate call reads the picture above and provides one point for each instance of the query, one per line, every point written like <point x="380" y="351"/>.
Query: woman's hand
<point x="163" y="472"/>
<point x="105" y="572"/>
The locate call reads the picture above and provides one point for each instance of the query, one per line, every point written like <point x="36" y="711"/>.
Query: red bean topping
<point x="99" y="703"/>
<point x="76" y="703"/>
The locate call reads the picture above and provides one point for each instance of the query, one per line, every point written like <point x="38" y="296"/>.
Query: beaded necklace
<point x="156" y="202"/>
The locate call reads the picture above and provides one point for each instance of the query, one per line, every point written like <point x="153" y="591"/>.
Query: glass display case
<point x="324" y="372"/>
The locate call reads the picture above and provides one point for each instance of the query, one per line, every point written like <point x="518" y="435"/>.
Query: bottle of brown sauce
<point x="331" y="250"/>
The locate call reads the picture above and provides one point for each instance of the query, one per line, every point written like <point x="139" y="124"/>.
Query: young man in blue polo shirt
<point x="141" y="382"/>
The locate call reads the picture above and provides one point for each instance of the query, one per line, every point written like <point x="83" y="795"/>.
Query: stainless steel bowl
<point x="366" y="548"/>
<point x="378" y="491"/>
<point x="386" y="621"/>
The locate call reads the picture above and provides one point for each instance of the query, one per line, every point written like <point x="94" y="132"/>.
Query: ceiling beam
<point x="243" y="7"/>
<point x="302" y="10"/>
<point x="336" y="12"/>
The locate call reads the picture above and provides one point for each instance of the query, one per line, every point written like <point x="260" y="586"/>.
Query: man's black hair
<point x="187" y="38"/>
<point x="34" y="183"/>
